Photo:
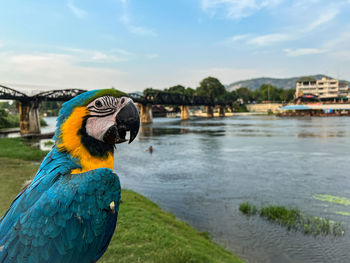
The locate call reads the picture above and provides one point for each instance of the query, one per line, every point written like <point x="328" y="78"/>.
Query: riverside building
<point x="325" y="88"/>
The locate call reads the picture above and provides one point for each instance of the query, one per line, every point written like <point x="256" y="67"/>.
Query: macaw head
<point x="89" y="125"/>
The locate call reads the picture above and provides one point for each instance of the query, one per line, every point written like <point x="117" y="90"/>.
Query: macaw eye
<point x="98" y="104"/>
<point x="122" y="100"/>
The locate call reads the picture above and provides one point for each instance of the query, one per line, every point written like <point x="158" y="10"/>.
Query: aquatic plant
<point x="248" y="209"/>
<point x="343" y="213"/>
<point x="294" y="219"/>
<point x="48" y="143"/>
<point x="333" y="199"/>
<point x="280" y="214"/>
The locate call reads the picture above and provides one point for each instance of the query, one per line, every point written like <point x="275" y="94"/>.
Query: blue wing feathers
<point x="61" y="218"/>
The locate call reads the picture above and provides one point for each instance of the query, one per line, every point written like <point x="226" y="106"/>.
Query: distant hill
<point x="288" y="83"/>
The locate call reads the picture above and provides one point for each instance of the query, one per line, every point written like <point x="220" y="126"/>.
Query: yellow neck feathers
<point x="71" y="142"/>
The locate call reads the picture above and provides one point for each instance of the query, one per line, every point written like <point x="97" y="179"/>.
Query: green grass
<point x="248" y="209"/>
<point x="13" y="174"/>
<point x="17" y="148"/>
<point x="294" y="219"/>
<point x="49" y="143"/>
<point x="145" y="233"/>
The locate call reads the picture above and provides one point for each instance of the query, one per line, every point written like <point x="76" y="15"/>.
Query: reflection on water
<point x="201" y="170"/>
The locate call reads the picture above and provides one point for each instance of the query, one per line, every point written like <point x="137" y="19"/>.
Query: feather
<point x="69" y="217"/>
<point x="64" y="214"/>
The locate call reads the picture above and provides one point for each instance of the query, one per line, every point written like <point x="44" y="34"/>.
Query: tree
<point x="176" y="89"/>
<point x="270" y="93"/>
<point x="189" y="92"/>
<point x="211" y="87"/>
<point x="245" y="94"/>
<point x="150" y="91"/>
<point x="287" y="95"/>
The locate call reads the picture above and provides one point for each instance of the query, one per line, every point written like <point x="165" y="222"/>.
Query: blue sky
<point x="131" y="45"/>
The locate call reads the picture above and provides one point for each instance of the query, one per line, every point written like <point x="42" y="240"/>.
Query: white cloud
<point x="234" y="39"/>
<point x="135" y="29"/>
<point x="84" y="55"/>
<point x="322" y="19"/>
<point x="340" y="40"/>
<point x="236" y="9"/>
<point x="269" y="39"/>
<point x="59" y="70"/>
<point x="80" y="13"/>
<point x="303" y="51"/>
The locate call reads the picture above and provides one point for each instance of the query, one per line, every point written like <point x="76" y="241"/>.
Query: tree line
<point x="213" y="88"/>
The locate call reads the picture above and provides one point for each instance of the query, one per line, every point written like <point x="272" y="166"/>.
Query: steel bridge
<point x="168" y="98"/>
<point x="7" y="93"/>
<point x="29" y="105"/>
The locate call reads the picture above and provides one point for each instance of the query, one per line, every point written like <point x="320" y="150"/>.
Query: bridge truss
<point x="157" y="98"/>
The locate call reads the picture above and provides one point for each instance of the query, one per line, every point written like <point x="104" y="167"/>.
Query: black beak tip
<point x="134" y="129"/>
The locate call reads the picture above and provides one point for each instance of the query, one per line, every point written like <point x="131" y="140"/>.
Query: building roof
<point x="317" y="107"/>
<point x="306" y="79"/>
<point x="295" y="107"/>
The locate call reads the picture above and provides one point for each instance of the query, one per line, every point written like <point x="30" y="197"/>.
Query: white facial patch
<point x="97" y="126"/>
<point x="103" y="112"/>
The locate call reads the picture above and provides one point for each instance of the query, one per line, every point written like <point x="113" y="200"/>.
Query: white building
<point x="325" y="88"/>
<point x="344" y="89"/>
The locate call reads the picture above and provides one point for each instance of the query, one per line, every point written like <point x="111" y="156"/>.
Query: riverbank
<point x="144" y="233"/>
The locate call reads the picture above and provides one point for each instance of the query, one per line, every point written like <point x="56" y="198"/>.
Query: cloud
<point x="96" y="56"/>
<point x="303" y="51"/>
<point x="80" y="13"/>
<point x="269" y="39"/>
<point x="236" y="9"/>
<point x="135" y="29"/>
<point x="59" y="70"/>
<point x="322" y="19"/>
<point x="341" y="40"/>
<point x="234" y="39"/>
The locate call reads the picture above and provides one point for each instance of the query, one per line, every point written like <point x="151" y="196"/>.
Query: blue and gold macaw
<point x="68" y="212"/>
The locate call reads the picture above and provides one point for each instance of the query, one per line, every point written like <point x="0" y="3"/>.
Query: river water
<point x="201" y="170"/>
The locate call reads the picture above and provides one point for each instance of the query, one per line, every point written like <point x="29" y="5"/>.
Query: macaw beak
<point x="127" y="120"/>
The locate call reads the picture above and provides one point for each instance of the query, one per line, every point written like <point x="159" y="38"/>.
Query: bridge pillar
<point x="184" y="112"/>
<point x="209" y="111"/>
<point x="221" y="111"/>
<point x="146" y="113"/>
<point x="29" y="120"/>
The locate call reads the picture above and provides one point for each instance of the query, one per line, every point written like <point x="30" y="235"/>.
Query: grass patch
<point x="43" y="123"/>
<point x="248" y="209"/>
<point x="333" y="199"/>
<point x="49" y="143"/>
<point x="294" y="219"/>
<point x="144" y="233"/>
<point x="343" y="213"/>
<point x="17" y="148"/>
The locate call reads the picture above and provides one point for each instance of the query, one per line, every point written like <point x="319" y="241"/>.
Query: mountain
<point x="288" y="83"/>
